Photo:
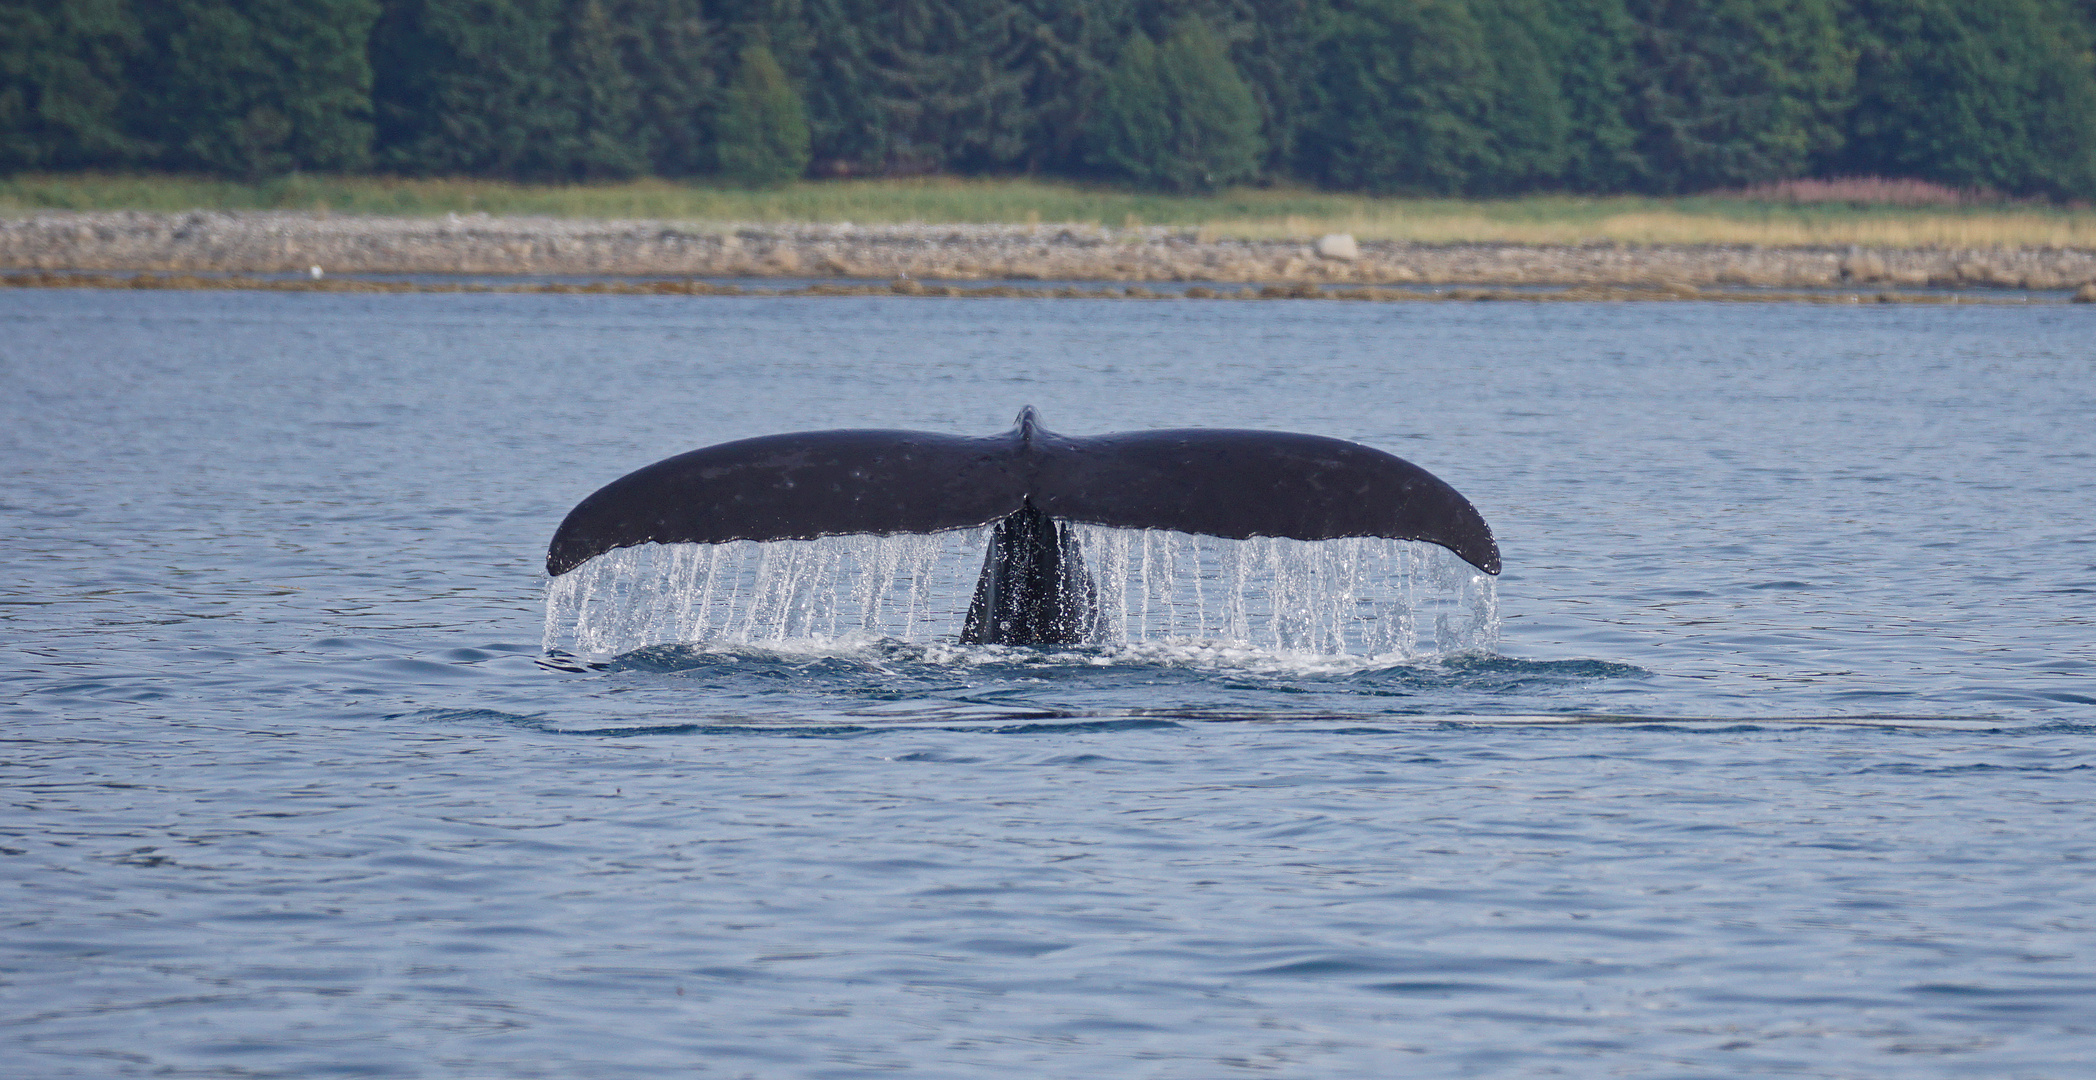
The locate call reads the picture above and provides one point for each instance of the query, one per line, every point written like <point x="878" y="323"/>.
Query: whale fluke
<point x="1218" y="482"/>
<point x="797" y="487"/>
<point x="1033" y="482"/>
<point x="1034" y="589"/>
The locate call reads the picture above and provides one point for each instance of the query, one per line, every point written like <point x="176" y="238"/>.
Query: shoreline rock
<point x="268" y="242"/>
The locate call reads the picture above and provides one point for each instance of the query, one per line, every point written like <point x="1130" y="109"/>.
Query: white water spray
<point x="1358" y="596"/>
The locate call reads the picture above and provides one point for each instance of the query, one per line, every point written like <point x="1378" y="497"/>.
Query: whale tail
<point x="1033" y="483"/>
<point x="1034" y="589"/>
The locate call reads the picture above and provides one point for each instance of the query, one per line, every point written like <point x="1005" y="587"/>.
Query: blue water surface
<point x="1781" y="767"/>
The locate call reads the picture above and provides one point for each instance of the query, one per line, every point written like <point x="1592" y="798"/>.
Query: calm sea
<point x="1777" y="761"/>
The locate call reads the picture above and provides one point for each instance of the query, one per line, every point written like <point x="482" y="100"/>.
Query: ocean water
<point x="1768" y="755"/>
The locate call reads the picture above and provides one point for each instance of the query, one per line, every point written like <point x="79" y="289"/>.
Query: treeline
<point x="1413" y="96"/>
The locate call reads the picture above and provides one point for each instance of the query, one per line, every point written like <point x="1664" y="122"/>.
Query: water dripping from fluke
<point x="1193" y="540"/>
<point x="1163" y="598"/>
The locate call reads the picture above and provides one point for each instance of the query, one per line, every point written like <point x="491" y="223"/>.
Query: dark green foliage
<point x="1997" y="94"/>
<point x="1216" y="130"/>
<point x="787" y="27"/>
<point x="957" y="85"/>
<point x="1423" y="96"/>
<point x="550" y="89"/>
<point x="1589" y="45"/>
<point x="1526" y="112"/>
<point x="1274" y="44"/>
<point x="1177" y="117"/>
<point x="1066" y="50"/>
<point x="1131" y="122"/>
<point x="909" y="86"/>
<point x="1730" y="92"/>
<point x="256" y="87"/>
<point x="1271" y="43"/>
<point x="763" y="127"/>
<point x="63" y="81"/>
<point x="1429" y="96"/>
<point x="672" y="53"/>
<point x="598" y="87"/>
<point x="471" y="87"/>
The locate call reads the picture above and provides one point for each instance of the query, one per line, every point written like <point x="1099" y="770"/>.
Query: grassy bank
<point x="1243" y="213"/>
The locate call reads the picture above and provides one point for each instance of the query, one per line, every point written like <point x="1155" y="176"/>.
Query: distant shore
<point x="278" y="242"/>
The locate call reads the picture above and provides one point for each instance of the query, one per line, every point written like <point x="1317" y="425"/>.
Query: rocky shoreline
<point x="275" y="242"/>
<point x="1302" y="290"/>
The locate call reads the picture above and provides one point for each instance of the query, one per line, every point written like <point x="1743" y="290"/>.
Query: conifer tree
<point x="254" y="87"/>
<point x="1218" y="139"/>
<point x="1525" y="111"/>
<point x="1065" y="50"/>
<point x="913" y="86"/>
<point x="471" y="87"/>
<point x="1411" y="99"/>
<point x="602" y="94"/>
<point x="1998" y="94"/>
<point x="1274" y="45"/>
<point x="1178" y="117"/>
<point x="672" y="51"/>
<point x="1132" y="125"/>
<point x="762" y="130"/>
<point x="1430" y="96"/>
<point x="1731" y="92"/>
<point x="1587" y="46"/>
<point x="63" y="82"/>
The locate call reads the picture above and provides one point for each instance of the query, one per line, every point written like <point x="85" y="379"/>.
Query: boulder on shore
<point x="1338" y="246"/>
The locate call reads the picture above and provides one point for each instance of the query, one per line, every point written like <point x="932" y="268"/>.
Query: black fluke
<point x="1033" y="483"/>
<point x="1034" y="589"/>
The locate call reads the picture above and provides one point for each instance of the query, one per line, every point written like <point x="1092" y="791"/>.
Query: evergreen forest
<point x="1439" y="97"/>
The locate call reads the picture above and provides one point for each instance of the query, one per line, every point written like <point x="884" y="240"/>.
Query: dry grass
<point x="2003" y="229"/>
<point x="1867" y="191"/>
<point x="1772" y="218"/>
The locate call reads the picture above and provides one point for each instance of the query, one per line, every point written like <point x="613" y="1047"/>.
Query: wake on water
<point x="1164" y="597"/>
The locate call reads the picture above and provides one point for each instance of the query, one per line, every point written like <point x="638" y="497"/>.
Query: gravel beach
<point x="282" y="241"/>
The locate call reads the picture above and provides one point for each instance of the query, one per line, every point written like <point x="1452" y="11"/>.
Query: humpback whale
<point x="1033" y="484"/>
